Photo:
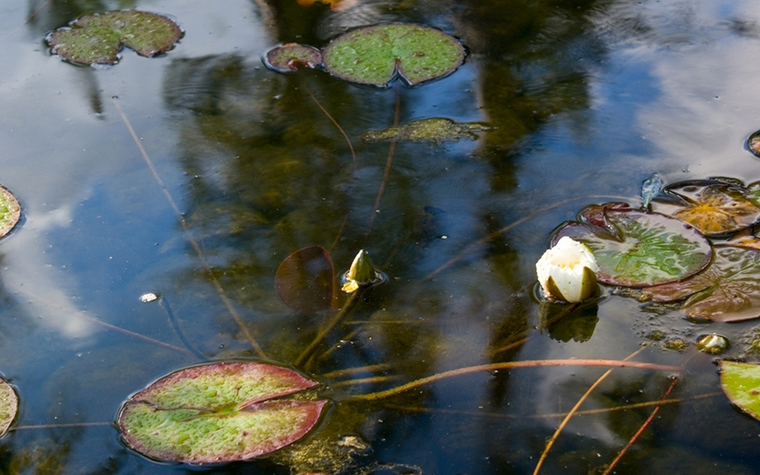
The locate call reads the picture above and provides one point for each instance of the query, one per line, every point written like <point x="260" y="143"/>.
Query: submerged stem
<point x="309" y="351"/>
<point x="509" y="365"/>
<point x="186" y="228"/>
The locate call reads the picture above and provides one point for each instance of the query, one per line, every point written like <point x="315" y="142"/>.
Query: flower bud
<point x="568" y="271"/>
<point x="361" y="274"/>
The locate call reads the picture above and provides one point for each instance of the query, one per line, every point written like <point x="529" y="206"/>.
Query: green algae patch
<point x="435" y="129"/>
<point x="219" y="412"/>
<point x="375" y="55"/>
<point x="98" y="38"/>
<point x="10" y="211"/>
<point x="8" y="406"/>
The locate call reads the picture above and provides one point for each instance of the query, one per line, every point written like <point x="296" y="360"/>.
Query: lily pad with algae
<point x="289" y="57"/>
<point x="98" y="38"/>
<point x="8" y="406"/>
<point x="219" y="412"/>
<point x="638" y="249"/>
<point x="741" y="383"/>
<point x="375" y="55"/>
<point x="10" y="211"/>
<point x="435" y="129"/>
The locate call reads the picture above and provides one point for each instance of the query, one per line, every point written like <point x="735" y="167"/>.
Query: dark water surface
<point x="586" y="100"/>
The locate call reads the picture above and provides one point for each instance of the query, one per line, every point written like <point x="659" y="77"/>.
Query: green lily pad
<point x="717" y="206"/>
<point x="726" y="291"/>
<point x="638" y="249"/>
<point x="10" y="211"/>
<point x="98" y="38"/>
<point x="220" y="412"/>
<point x="741" y="383"/>
<point x="8" y="406"/>
<point x="428" y="130"/>
<point x="376" y="55"/>
<point x="289" y="57"/>
<point x="305" y="280"/>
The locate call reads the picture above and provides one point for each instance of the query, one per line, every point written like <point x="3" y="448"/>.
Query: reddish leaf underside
<point x="305" y="281"/>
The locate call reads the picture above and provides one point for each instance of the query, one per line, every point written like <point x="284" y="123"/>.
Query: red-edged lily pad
<point x="220" y="412"/>
<point x="289" y="57"/>
<point x="741" y="383"/>
<point x="10" y="211"/>
<point x="305" y="280"/>
<point x="8" y="406"/>
<point x="638" y="249"/>
<point x="716" y="206"/>
<point x="98" y="38"/>
<point x="727" y="291"/>
<point x="376" y="55"/>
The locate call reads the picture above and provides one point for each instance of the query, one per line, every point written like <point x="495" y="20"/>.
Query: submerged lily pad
<point x="8" y="406"/>
<point x="289" y="57"/>
<point x="741" y="383"/>
<point x="305" y="280"/>
<point x="428" y="130"/>
<point x="638" y="249"/>
<point x="717" y="206"/>
<point x="10" y="211"/>
<point x="98" y="38"/>
<point x="219" y="412"/>
<point x="376" y="55"/>
<point x="727" y="291"/>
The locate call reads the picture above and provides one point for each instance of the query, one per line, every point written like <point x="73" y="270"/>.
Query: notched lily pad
<point x="428" y="130"/>
<point x="741" y="383"/>
<point x="98" y="38"/>
<point x="726" y="291"/>
<point x="220" y="412"/>
<point x="716" y="206"/>
<point x="10" y="211"/>
<point x="289" y="57"/>
<point x="8" y="406"/>
<point x="638" y="249"/>
<point x="376" y="55"/>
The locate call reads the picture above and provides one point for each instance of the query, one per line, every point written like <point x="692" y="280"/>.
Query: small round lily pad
<point x="219" y="412"/>
<point x="8" y="406"/>
<point x="289" y="57"/>
<point x="376" y="55"/>
<point x="10" y="211"/>
<point x="98" y="38"/>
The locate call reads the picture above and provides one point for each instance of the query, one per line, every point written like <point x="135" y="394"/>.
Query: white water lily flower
<point x="568" y="271"/>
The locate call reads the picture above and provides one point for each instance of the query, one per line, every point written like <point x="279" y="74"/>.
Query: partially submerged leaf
<point x="741" y="383"/>
<point x="753" y="143"/>
<point x="428" y="130"/>
<point x="220" y="412"/>
<point x="375" y="55"/>
<point x="726" y="291"/>
<point x="638" y="249"/>
<point x="650" y="188"/>
<point x="289" y="57"/>
<point x="8" y="406"/>
<point x="305" y="281"/>
<point x="10" y="211"/>
<point x="98" y="38"/>
<point x="716" y="206"/>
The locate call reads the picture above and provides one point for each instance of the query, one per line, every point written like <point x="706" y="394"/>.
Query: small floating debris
<point x="428" y="130"/>
<point x="713" y="343"/>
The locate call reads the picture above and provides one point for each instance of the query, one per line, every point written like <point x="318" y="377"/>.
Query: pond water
<point x="585" y="99"/>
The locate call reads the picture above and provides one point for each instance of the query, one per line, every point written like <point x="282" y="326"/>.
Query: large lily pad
<point x="717" y="206"/>
<point x="727" y="291"/>
<point x="10" y="211"/>
<point x="378" y="54"/>
<point x="8" y="406"/>
<point x="98" y="38"/>
<point x="638" y="249"/>
<point x="741" y="383"/>
<point x="219" y="412"/>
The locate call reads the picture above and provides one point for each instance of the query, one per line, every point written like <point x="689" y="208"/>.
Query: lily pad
<point x="741" y="383"/>
<point x="305" y="280"/>
<point x="98" y="38"/>
<point x="727" y="291"/>
<point x="717" y="206"/>
<point x="8" y="406"/>
<point x="428" y="130"/>
<point x="289" y="57"/>
<point x="10" y="211"/>
<point x="220" y="412"/>
<point x="638" y="249"/>
<point x="753" y="143"/>
<point x="376" y="55"/>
